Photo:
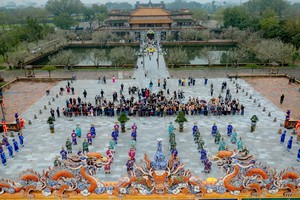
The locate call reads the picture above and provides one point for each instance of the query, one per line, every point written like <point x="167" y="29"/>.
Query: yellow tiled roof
<point x="163" y="21"/>
<point x="150" y="12"/>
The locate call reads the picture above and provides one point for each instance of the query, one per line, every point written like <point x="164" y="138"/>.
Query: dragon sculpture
<point x="161" y="176"/>
<point x="76" y="175"/>
<point x="243" y="172"/>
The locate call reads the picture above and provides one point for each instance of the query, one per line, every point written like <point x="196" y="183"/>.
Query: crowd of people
<point x="143" y="103"/>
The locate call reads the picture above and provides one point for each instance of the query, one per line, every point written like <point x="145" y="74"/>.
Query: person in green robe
<point x="200" y="144"/>
<point x="172" y="137"/>
<point x="171" y="128"/>
<point x="217" y="137"/>
<point x="78" y="130"/>
<point x="240" y="144"/>
<point x="222" y="145"/>
<point x="233" y="137"/>
<point x="245" y="151"/>
<point x="85" y="146"/>
<point x="197" y="136"/>
<point x="69" y="145"/>
<point x="172" y="144"/>
<point x="132" y="143"/>
<point x="112" y="144"/>
<point x="57" y="162"/>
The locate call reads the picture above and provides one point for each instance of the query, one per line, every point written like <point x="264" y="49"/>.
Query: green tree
<point x="123" y="119"/>
<point x="4" y="46"/>
<point x="200" y="16"/>
<point x="89" y="16"/>
<point x="259" y="7"/>
<point x="63" y="11"/>
<point x="296" y="40"/>
<point x="49" y="68"/>
<point x="100" y="13"/>
<point x="180" y="119"/>
<point x="235" y="17"/>
<point x="295" y="56"/>
<point x="252" y="67"/>
<point x="69" y="7"/>
<point x="64" y="21"/>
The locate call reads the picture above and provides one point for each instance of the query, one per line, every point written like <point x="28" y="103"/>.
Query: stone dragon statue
<point x="160" y="177"/>
<point x="243" y="172"/>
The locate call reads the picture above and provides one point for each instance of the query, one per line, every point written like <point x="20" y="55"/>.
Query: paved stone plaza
<point x="41" y="146"/>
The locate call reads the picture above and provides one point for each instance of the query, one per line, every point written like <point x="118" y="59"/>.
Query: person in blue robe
<point x="63" y="154"/>
<point x="21" y="139"/>
<point x="195" y="129"/>
<point x="3" y="157"/>
<point x="74" y="140"/>
<point x="16" y="145"/>
<point x="93" y="130"/>
<point x="290" y="143"/>
<point x="214" y="129"/>
<point x="203" y="155"/>
<point x="10" y="150"/>
<point x="229" y="130"/>
<point x="282" y="138"/>
<point x="114" y="135"/>
<point x="89" y="137"/>
<point x="133" y="135"/>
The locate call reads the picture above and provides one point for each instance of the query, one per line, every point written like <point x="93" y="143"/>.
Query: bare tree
<point x="282" y="52"/>
<point x="176" y="56"/>
<point x="170" y="36"/>
<point x="97" y="56"/>
<point x="236" y="54"/>
<point x="211" y="55"/>
<point x="71" y="36"/>
<point x="100" y="37"/>
<point x="262" y="52"/>
<point x="274" y="50"/>
<point x="84" y="36"/>
<point x="65" y="58"/>
<point x="232" y="33"/>
<point x="17" y="58"/>
<point x="122" y="56"/>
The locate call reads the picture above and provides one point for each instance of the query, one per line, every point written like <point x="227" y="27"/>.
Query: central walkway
<point x="152" y="65"/>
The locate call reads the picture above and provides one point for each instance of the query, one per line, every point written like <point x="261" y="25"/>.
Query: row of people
<point x="10" y="149"/>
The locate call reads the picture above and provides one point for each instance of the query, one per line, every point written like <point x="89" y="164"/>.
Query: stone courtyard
<point x="41" y="146"/>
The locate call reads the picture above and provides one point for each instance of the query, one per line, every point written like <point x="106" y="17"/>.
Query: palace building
<point x="150" y="16"/>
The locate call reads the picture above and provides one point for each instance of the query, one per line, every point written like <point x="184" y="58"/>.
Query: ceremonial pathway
<point x="41" y="146"/>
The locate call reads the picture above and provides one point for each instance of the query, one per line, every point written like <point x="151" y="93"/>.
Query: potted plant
<point x="123" y="119"/>
<point x="50" y="121"/>
<point x="180" y="120"/>
<point x="253" y="119"/>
